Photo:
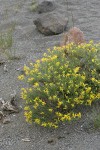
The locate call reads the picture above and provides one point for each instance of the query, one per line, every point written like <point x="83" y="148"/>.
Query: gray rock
<point x="51" y="23"/>
<point x="46" y="6"/>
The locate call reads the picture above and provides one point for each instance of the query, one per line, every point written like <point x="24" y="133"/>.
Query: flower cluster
<point x="64" y="78"/>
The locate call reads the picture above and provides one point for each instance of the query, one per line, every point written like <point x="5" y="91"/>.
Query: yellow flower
<point x="89" y="102"/>
<point x="28" y="116"/>
<point x="57" y="63"/>
<point x="83" y="77"/>
<point x="30" y="90"/>
<point x="92" y="96"/>
<point x="50" y="109"/>
<point x="98" y="96"/>
<point x="88" y="89"/>
<point x="91" y="42"/>
<point x="66" y="117"/>
<point x="93" y="60"/>
<point x="37" y="61"/>
<point x="30" y="79"/>
<point x="74" y="115"/>
<point x="31" y="64"/>
<point x="67" y="75"/>
<point x="55" y="126"/>
<point x="37" y="121"/>
<point x="26" y="108"/>
<point x="43" y="103"/>
<point x="76" y="69"/>
<point x="61" y="88"/>
<point x="36" y="84"/>
<point x="44" y="54"/>
<point x="54" y="97"/>
<point x="59" y="104"/>
<point x="44" y="124"/>
<point x="21" y="77"/>
<point x="54" y="57"/>
<point x="26" y="69"/>
<point x="24" y="93"/>
<point x="72" y="105"/>
<point x="93" y="79"/>
<point x="23" y="96"/>
<point x="42" y="113"/>
<point x="36" y="65"/>
<point x="46" y="91"/>
<point x="35" y="105"/>
<point x="58" y="114"/>
<point x="44" y="59"/>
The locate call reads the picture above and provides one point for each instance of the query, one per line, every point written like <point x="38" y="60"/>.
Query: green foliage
<point x="6" y="40"/>
<point x="66" y="77"/>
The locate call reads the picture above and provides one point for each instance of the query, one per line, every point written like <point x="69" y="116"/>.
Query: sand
<point x="29" y="45"/>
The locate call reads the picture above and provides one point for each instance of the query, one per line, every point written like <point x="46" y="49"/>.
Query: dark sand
<point x="30" y="45"/>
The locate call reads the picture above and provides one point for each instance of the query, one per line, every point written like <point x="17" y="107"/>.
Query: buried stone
<point x="46" y="6"/>
<point x="51" y="24"/>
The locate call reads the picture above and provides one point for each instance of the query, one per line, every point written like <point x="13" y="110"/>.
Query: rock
<point x="13" y="96"/>
<point x="26" y="140"/>
<point x="52" y="141"/>
<point x="1" y="115"/>
<point x="46" y="6"/>
<point x="6" y="120"/>
<point x="74" y="35"/>
<point x="1" y="102"/>
<point x="5" y="68"/>
<point x="51" y="24"/>
<point x="2" y="62"/>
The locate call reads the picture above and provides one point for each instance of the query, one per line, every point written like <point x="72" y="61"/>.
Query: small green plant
<point x="64" y="79"/>
<point x="6" y="40"/>
<point x="33" y="6"/>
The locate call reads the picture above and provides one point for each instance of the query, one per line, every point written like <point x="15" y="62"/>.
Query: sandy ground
<point x="29" y="44"/>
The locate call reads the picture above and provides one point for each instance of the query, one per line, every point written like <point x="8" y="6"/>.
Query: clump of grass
<point x="33" y="6"/>
<point x="6" y="40"/>
<point x="65" y="78"/>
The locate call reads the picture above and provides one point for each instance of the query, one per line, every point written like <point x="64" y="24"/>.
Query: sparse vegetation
<point x="95" y="116"/>
<point x="33" y="6"/>
<point x="6" y="41"/>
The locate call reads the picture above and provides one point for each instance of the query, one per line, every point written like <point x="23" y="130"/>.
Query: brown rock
<point x="74" y="35"/>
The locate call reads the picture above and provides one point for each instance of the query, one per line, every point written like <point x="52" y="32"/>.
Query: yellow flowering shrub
<point x="64" y="78"/>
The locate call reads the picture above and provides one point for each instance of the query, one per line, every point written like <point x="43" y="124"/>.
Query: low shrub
<point x="66" y="77"/>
